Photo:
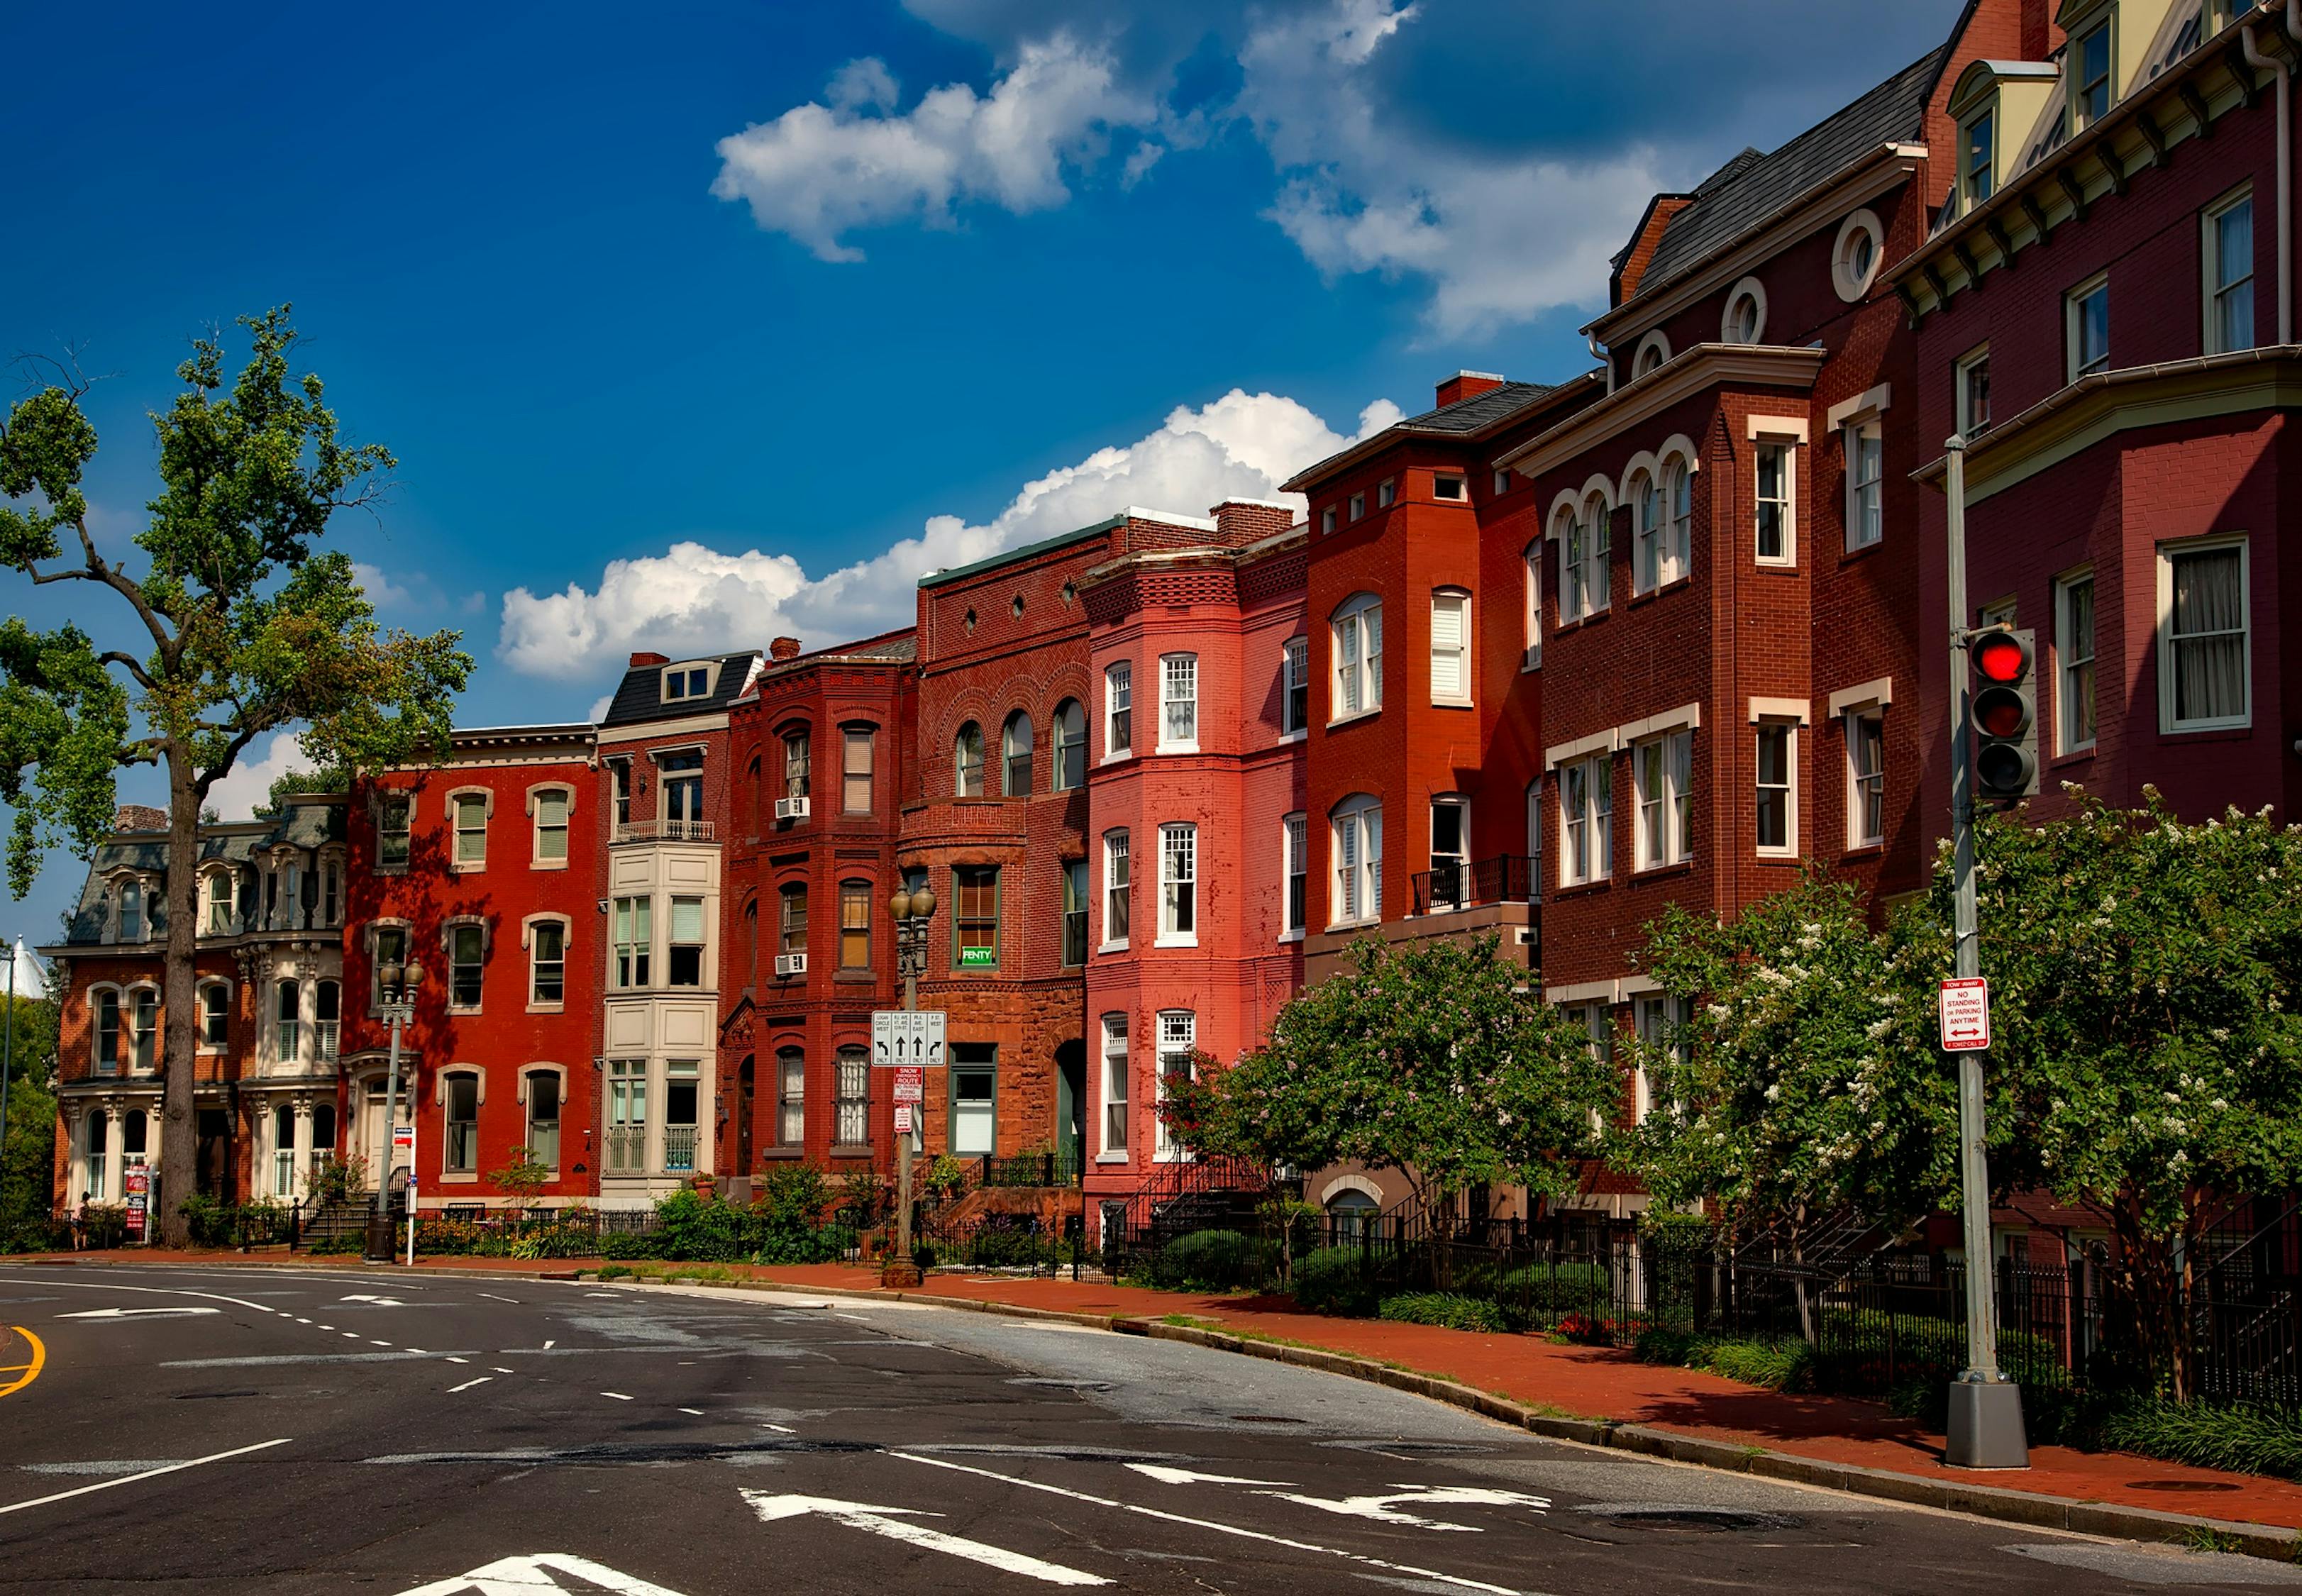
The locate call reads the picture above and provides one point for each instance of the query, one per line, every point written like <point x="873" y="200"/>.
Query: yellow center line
<point x="30" y="1371"/>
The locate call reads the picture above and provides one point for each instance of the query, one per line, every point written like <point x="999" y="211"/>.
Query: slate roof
<point x="1464" y="418"/>
<point x="1752" y="186"/>
<point x="305" y="825"/>
<point x="640" y="695"/>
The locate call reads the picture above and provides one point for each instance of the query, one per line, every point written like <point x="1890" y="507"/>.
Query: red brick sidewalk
<point x="1577" y="1381"/>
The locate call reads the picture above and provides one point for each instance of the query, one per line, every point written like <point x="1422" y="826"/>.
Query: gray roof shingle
<point x="639" y="696"/>
<point x="1464" y="418"/>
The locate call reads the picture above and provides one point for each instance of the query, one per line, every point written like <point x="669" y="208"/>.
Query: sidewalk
<point x="1586" y="1382"/>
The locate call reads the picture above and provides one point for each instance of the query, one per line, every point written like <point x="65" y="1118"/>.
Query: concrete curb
<point x="2031" y="1509"/>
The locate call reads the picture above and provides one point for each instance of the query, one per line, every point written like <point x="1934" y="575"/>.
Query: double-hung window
<point x="855" y="763"/>
<point x="1678" y="504"/>
<point x="791" y="1097"/>
<point x="471" y="819"/>
<point x="1178" y="703"/>
<point x="215" y="1014"/>
<point x="1777" y="795"/>
<point x="685" y="965"/>
<point x="1970" y="379"/>
<point x="1585" y="561"/>
<point x="219" y="915"/>
<point x="131" y="912"/>
<point x="1295" y="688"/>
<point x="2229" y="254"/>
<point x="1532" y="562"/>
<point x="547" y="961"/>
<point x="854" y="925"/>
<point x="635" y="940"/>
<point x="1357" y="640"/>
<point x="1297" y="866"/>
<point x="467" y="962"/>
<point x="975" y="922"/>
<point x="1357" y="851"/>
<point x="1586" y="820"/>
<point x="1977" y="164"/>
<point x="2204" y="646"/>
<point x="108" y="1032"/>
<point x="146" y="1041"/>
<point x="1866" y="775"/>
<point x="627" y="1116"/>
<point x="966" y="761"/>
<point x="1075" y="912"/>
<point x="1116" y="1082"/>
<point x="791" y="923"/>
<point x="1179" y="885"/>
<point x="1776" y="522"/>
<point x="287" y="1018"/>
<point x="1118" y="710"/>
<point x="1115" y="889"/>
<point x="795" y="764"/>
<point x="2089" y="70"/>
<point x="1015" y="757"/>
<point x="851" y="1108"/>
<point x="462" y="1141"/>
<point x="1070" y="746"/>
<point x="1178" y="1041"/>
<point x="551" y="827"/>
<point x="2086" y="324"/>
<point x="393" y="825"/>
<point x="1658" y="1020"/>
<point x="1451" y="647"/>
<point x="1646" y="534"/>
<point x="2074" y="663"/>
<point x="1865" y="483"/>
<point x="1663" y="768"/>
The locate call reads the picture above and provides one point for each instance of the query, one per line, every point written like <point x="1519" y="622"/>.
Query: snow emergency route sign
<point x="1966" y="1015"/>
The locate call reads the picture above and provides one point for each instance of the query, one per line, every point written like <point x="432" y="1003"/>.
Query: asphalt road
<point x="214" y="1430"/>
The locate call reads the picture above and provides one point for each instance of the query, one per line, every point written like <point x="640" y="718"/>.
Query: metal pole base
<point x="1986" y="1425"/>
<point x="377" y="1243"/>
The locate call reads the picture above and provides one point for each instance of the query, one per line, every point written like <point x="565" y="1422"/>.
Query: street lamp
<point x="911" y="910"/>
<point x="396" y="985"/>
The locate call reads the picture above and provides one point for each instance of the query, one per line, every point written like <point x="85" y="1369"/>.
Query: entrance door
<point x="1071" y="1102"/>
<point x="214" y="1174"/>
<point x="372" y="1141"/>
<point x="974" y="1096"/>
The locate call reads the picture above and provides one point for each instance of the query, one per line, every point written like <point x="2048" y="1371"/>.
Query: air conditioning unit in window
<point x="791" y="809"/>
<point x="788" y="964"/>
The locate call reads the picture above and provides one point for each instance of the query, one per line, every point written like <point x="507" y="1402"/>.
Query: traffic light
<point x="2005" y="722"/>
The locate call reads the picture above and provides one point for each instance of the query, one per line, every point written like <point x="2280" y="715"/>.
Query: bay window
<point x="1178" y="703"/>
<point x="1355" y="836"/>
<point x="1179" y="885"/>
<point x="1355" y="636"/>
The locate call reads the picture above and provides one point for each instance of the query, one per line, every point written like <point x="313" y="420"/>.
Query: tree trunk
<point x="2155" y="1287"/>
<point x="179" y="1012"/>
<point x="1798" y="1276"/>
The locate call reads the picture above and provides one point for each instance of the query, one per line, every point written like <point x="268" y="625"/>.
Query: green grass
<point x="2251" y="1441"/>
<point x="1448" y="1310"/>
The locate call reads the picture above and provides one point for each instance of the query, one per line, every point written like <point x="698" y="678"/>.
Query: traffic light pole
<point x="1985" y="1407"/>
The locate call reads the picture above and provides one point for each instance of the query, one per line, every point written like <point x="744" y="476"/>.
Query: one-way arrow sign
<point x="138" y="1313"/>
<point x="883" y="1520"/>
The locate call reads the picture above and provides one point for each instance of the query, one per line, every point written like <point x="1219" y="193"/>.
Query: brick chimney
<point x="1243" y="521"/>
<point x="1463" y="384"/>
<point x="139" y="817"/>
<point x="784" y="648"/>
<point x="2038" y="34"/>
<point x="640" y="660"/>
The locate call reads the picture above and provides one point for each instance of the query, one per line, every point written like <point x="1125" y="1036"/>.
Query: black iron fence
<point x="1025" y="1242"/>
<point x="1466" y="884"/>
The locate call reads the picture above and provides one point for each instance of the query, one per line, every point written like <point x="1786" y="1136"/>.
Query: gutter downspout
<point x="1590" y="340"/>
<point x="2255" y="57"/>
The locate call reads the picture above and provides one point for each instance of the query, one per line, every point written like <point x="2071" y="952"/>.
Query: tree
<point x="1436" y="1061"/>
<point x="241" y="628"/>
<point x="28" y="1159"/>
<point x="2145" y="984"/>
<point x="1800" y="1081"/>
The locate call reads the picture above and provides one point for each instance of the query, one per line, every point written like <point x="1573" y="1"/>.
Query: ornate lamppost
<point x="912" y="910"/>
<point x="396" y="985"/>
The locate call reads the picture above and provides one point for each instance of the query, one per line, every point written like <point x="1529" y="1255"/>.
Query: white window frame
<point x="1458" y="600"/>
<point x="1855" y="717"/>
<point x="2068" y="663"/>
<point x="1531" y="558"/>
<point x="1450" y="487"/>
<point x="2074" y="64"/>
<point x="1179" y="885"/>
<point x="1355" y="843"/>
<point x="537" y="797"/>
<point x="1118" y="887"/>
<point x="1179" y="701"/>
<point x="1662" y="776"/>
<point x="1647" y="531"/>
<point x="208" y="984"/>
<point x="1750" y="291"/>
<point x="1118" y="685"/>
<point x="2075" y="365"/>
<point x="2212" y="291"/>
<point x="1762" y="727"/>
<point x="1358" y="506"/>
<point x="1788" y="500"/>
<point x="1178" y="1031"/>
<point x="1460" y="859"/>
<point x="1355" y="639"/>
<point x="1294" y="866"/>
<point x="1117" y="1091"/>
<point x="1586" y="801"/>
<point x="531" y="938"/>
<point x="457" y="830"/>
<point x="1652" y="1014"/>
<point x="1386" y="493"/>
<point x="1327" y="521"/>
<point x="1503" y="483"/>
<point x="1866" y="496"/>
<point x="1293" y="674"/>
<point x="1677" y="490"/>
<point x="2167" y="553"/>
<point x="1971" y="193"/>
<point x="1963" y="372"/>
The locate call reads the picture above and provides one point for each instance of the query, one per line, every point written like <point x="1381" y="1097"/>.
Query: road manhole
<point x="1686" y="1517"/>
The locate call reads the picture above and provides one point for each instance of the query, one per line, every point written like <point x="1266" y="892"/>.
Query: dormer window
<point x="682" y="682"/>
<point x="2090" y="81"/>
<point x="1978" y="171"/>
<point x="131" y="912"/>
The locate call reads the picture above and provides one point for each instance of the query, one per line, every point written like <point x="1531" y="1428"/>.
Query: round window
<point x="1855" y="259"/>
<point x="1744" y="319"/>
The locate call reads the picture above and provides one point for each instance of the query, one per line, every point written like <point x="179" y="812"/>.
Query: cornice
<point x="1681" y="376"/>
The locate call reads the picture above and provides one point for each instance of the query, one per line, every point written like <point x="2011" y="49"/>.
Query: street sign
<point x="903" y="1119"/>
<point x="403" y="1140"/>
<point x="910" y="1083"/>
<point x="1966" y="1015"/>
<point x="907" y="1038"/>
<point x="140" y="1188"/>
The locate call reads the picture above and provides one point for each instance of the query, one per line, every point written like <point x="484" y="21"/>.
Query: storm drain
<point x="1687" y="1517"/>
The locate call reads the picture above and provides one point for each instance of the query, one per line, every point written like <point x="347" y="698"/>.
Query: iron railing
<point x="1470" y="884"/>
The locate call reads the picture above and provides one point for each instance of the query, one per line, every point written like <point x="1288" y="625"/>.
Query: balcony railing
<point x="329" y="1034"/>
<point x="661" y="830"/>
<point x="678" y="1149"/>
<point x="1506" y="879"/>
<point x="627" y="1149"/>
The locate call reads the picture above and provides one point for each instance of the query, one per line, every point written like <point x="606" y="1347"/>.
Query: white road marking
<point x="171" y="1468"/>
<point x="373" y="1342"/>
<point x="419" y="1352"/>
<point x="883" y="1520"/>
<point x="136" y="1313"/>
<point x="350" y="1335"/>
<point x="531" y="1577"/>
<point x="698" y="1412"/>
<point x="382" y="1302"/>
<point x="1382" y="1510"/>
<point x="781" y="1429"/>
<point x="459" y="1360"/>
<point x="500" y="1369"/>
<point x="1219" y="1527"/>
<point x="468" y="1384"/>
<point x="1054" y="1327"/>
<point x="1184" y="1476"/>
<point x="547" y="1345"/>
<point x="323" y="1327"/>
<point x="618" y="1396"/>
<point x="491" y="1296"/>
<point x="238" y="1302"/>
<point x="303" y="1321"/>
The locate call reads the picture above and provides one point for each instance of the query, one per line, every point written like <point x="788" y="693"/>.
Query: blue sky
<point x="689" y="325"/>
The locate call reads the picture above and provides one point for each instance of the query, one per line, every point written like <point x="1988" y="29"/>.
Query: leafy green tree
<point x="28" y="1160"/>
<point x="241" y="628"/>
<point x="1437" y="1060"/>
<point x="1802" y="1080"/>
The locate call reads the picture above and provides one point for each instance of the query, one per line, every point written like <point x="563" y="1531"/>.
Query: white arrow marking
<point x="1184" y="1476"/>
<point x="382" y="1302"/>
<point x="139" y="1313"/>
<point x="880" y="1521"/>
<point x="531" y="1577"/>
<point x="1379" y="1507"/>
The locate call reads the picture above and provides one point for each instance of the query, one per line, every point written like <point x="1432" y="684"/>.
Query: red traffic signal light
<point x="2005" y="744"/>
<point x="2002" y="656"/>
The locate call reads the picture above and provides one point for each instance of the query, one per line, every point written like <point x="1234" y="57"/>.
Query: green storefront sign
<point x="978" y="956"/>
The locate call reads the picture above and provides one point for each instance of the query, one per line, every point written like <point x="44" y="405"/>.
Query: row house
<point x="273" y="898"/>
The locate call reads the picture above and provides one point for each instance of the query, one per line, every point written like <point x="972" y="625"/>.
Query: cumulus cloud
<point x="380" y="589"/>
<point x="694" y="598"/>
<point x="820" y="170"/>
<point x="249" y="780"/>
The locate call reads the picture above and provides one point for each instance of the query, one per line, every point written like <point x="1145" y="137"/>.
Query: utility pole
<point x="396" y="983"/>
<point x="1985" y="1407"/>
<point x="912" y="910"/>
<point x="7" y="1061"/>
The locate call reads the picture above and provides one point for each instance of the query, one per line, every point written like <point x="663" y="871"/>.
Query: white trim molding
<point x="1777" y="427"/>
<point x="1685" y="716"/>
<point x="1861" y="696"/>
<point x="1583" y="992"/>
<point x="1861" y="406"/>
<point x="1566" y="753"/>
<point x="1342" y="1183"/>
<point x="1779" y="709"/>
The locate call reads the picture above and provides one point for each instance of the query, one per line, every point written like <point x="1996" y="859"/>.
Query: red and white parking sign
<point x="1966" y="1015"/>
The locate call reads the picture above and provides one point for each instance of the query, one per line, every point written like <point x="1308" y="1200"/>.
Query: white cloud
<point x="380" y="588"/>
<point x="820" y="170"/>
<point x="249" y="781"/>
<point x="694" y="598"/>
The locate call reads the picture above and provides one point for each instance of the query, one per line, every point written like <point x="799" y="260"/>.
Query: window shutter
<point x="687" y="920"/>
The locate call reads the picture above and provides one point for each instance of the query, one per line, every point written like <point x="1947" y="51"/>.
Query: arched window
<point x="215" y="1014"/>
<point x="99" y="1140"/>
<point x="324" y="1128"/>
<point x="966" y="761"/>
<point x="217" y="920"/>
<point x="1585" y="573"/>
<point x="108" y="1031"/>
<point x="1745" y="321"/>
<point x="1532" y="559"/>
<point x="1646" y="534"/>
<point x="328" y="1019"/>
<point x="1015" y="762"/>
<point x="131" y="912"/>
<point x="543" y="1094"/>
<point x="1070" y="745"/>
<point x="1355" y="636"/>
<point x="1678" y="504"/>
<point x="791" y="933"/>
<point x="287" y="1012"/>
<point x="1356" y="846"/>
<point x="1654" y="351"/>
<point x="147" y="1054"/>
<point x="283" y="1150"/>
